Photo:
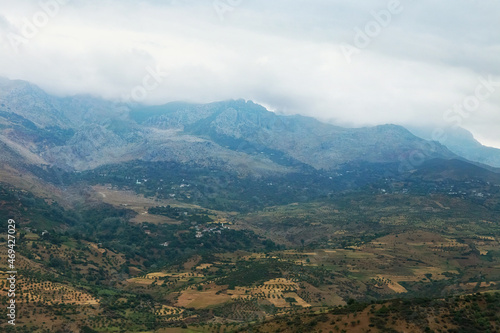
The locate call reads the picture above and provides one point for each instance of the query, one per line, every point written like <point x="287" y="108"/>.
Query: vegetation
<point x="313" y="251"/>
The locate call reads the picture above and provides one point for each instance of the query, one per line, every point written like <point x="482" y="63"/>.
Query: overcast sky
<point x="353" y="63"/>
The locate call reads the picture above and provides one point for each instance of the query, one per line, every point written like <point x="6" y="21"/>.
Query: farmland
<point x="129" y="262"/>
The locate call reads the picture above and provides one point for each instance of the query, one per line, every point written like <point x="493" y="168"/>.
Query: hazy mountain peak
<point x="462" y="142"/>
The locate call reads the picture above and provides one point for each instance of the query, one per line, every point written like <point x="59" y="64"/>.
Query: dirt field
<point x="275" y="291"/>
<point x="193" y="298"/>
<point x="140" y="204"/>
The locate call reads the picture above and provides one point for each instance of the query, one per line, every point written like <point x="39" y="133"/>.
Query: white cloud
<point x="285" y="54"/>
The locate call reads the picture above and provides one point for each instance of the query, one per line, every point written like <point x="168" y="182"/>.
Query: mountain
<point x="462" y="142"/>
<point x="82" y="132"/>
<point x="248" y="127"/>
<point x="226" y="216"/>
<point x="455" y="169"/>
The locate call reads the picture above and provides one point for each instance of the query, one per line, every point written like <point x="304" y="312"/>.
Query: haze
<point x="415" y="62"/>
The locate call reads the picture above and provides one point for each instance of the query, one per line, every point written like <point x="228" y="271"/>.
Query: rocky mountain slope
<point x="248" y="127"/>
<point x="462" y="142"/>
<point x="82" y="132"/>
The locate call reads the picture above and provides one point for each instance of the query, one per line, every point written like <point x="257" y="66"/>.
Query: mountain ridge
<point x="462" y="142"/>
<point x="82" y="132"/>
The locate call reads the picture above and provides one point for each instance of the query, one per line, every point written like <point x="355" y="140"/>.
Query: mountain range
<point x="82" y="132"/>
<point x="462" y="142"/>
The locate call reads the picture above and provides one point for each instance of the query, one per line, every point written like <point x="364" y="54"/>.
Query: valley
<point x="226" y="217"/>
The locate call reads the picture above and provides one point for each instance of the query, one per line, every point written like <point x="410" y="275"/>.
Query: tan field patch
<point x="53" y="293"/>
<point x="31" y="236"/>
<point x="137" y="203"/>
<point x="299" y="300"/>
<point x="277" y="298"/>
<point x="191" y="263"/>
<point x="184" y="276"/>
<point x="254" y="256"/>
<point x="290" y="252"/>
<point x="134" y="270"/>
<point x="141" y="204"/>
<point x="394" y="286"/>
<point x="275" y="291"/>
<point x="152" y="277"/>
<point x="170" y="313"/>
<point x="127" y="199"/>
<point x="279" y="302"/>
<point x="96" y="247"/>
<point x="401" y="278"/>
<point x="201" y="299"/>
<point x="451" y="244"/>
<point x="142" y="281"/>
<point x="418" y="275"/>
<point x="156" y="275"/>
<point x="280" y="282"/>
<point x="435" y="271"/>
<point x="397" y="288"/>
